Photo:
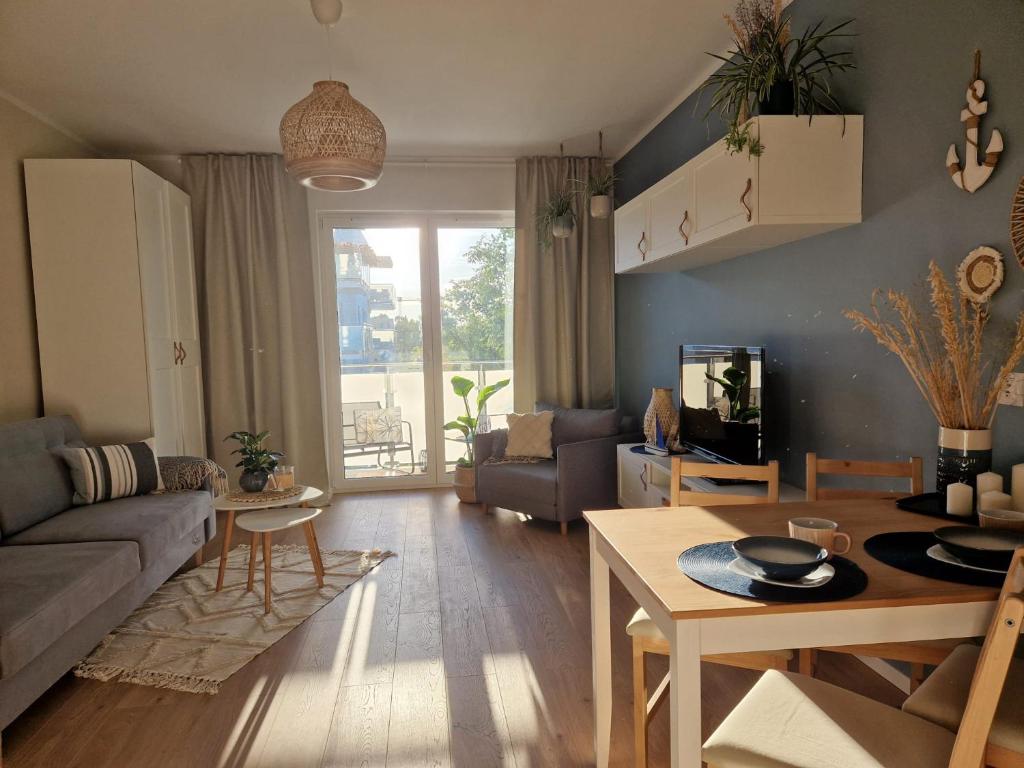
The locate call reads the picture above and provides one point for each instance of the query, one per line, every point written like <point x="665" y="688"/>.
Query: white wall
<point x="408" y="187"/>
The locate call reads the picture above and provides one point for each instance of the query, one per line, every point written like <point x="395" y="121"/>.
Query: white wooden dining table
<point x="641" y="547"/>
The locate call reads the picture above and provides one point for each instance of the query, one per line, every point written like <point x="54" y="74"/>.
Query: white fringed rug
<point x="188" y="637"/>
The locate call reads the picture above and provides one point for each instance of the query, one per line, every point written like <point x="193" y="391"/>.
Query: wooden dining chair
<point x="918" y="655"/>
<point x="647" y="638"/>
<point x="793" y="721"/>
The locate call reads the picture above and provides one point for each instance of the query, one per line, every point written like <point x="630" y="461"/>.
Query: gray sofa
<point x="68" y="575"/>
<point x="582" y="475"/>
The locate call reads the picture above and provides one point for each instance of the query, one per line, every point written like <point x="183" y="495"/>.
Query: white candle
<point x="994" y="500"/>
<point x="989" y="481"/>
<point x="959" y="499"/>
<point x="1017" y="487"/>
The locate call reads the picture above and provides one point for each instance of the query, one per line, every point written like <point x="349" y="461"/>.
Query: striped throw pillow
<point x="113" y="471"/>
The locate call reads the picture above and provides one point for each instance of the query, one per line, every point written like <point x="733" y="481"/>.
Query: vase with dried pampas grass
<point x="944" y="354"/>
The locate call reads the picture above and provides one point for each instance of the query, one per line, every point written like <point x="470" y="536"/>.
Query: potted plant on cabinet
<point x="465" y="472"/>
<point x="771" y="72"/>
<point x="257" y="462"/>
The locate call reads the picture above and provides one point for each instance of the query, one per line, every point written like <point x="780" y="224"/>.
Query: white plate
<point x="936" y="552"/>
<point x="817" y="578"/>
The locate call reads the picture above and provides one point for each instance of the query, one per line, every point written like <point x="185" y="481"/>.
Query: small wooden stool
<point x="263" y="523"/>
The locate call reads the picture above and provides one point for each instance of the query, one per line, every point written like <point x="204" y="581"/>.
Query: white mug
<point x="819" y="531"/>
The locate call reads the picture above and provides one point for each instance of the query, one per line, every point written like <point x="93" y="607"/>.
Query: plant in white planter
<point x="467" y="426"/>
<point x="599" y="189"/>
<point x="558" y="217"/>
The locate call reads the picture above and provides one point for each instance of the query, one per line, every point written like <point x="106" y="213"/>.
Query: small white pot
<point x="601" y="206"/>
<point x="562" y="226"/>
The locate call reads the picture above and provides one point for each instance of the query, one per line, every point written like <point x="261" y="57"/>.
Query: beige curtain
<point x="254" y="275"/>
<point x="563" y="345"/>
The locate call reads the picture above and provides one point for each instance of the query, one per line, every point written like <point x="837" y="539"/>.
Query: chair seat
<point x="642" y="625"/>
<point x="795" y="721"/>
<point x="942" y="698"/>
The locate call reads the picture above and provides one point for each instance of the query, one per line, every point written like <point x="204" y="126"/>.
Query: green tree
<point x="408" y="340"/>
<point x="473" y="309"/>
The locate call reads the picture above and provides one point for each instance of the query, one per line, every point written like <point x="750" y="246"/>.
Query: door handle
<point x="640" y="246"/>
<point x="177" y="353"/>
<point x="643" y="476"/>
<point x="686" y="217"/>
<point x="184" y="352"/>
<point x="743" y="199"/>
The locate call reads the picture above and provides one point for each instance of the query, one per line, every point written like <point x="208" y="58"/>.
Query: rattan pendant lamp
<point x="330" y="140"/>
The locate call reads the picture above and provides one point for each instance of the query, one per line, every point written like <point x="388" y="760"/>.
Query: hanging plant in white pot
<point x="599" y="189"/>
<point x="557" y="218"/>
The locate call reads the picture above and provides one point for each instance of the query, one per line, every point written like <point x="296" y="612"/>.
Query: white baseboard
<point x="900" y="679"/>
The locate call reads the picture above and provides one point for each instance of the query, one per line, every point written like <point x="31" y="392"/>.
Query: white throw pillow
<point x="529" y="435"/>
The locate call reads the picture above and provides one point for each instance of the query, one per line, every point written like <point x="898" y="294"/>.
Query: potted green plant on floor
<point x="467" y="426"/>
<point x="257" y="462"/>
<point x="772" y="72"/>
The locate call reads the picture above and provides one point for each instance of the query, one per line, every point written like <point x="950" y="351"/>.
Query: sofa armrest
<point x="483" y="445"/>
<point x="587" y="477"/>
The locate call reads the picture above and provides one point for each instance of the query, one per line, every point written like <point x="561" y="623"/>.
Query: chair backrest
<point x="912" y="469"/>
<point x="990" y="674"/>
<point x="755" y="473"/>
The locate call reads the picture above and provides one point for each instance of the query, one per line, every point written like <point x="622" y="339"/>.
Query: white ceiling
<point x="449" y="78"/>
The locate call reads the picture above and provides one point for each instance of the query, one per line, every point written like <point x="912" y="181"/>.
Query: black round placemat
<point x="707" y="564"/>
<point x="933" y="505"/>
<point x="906" y="550"/>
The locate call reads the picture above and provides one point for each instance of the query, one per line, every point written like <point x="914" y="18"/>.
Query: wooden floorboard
<point x="469" y="649"/>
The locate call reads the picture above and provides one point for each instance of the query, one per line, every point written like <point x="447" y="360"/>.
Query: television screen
<point x="721" y="393"/>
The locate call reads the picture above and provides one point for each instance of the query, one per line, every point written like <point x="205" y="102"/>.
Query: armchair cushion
<point x="529" y="434"/>
<point x="574" y="425"/>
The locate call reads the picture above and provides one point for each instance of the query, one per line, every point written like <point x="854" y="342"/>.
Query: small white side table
<point x="262" y="524"/>
<point x="224" y="504"/>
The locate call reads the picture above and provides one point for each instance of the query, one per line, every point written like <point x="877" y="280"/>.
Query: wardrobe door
<point x="155" y="269"/>
<point x="190" y="375"/>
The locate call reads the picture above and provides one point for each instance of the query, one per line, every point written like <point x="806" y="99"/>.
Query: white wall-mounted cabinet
<point x="116" y="305"/>
<point x="721" y="205"/>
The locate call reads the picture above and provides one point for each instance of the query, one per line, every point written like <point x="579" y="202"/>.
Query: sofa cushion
<point x="34" y="481"/>
<point x="154" y="522"/>
<point x="106" y="472"/>
<point x="529" y="435"/>
<point x="49" y="588"/>
<point x="574" y="425"/>
<point x="530" y="483"/>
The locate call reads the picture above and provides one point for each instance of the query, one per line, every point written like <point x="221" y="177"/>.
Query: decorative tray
<point x="934" y="505"/>
<point x="262" y="496"/>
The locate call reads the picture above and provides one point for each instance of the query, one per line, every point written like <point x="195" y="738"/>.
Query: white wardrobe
<point x="115" y="296"/>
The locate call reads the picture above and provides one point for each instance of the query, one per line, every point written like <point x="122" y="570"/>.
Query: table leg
<point x="266" y="573"/>
<point x="684" y="694"/>
<point x="601" y="642"/>
<point x="314" y="552"/>
<point x="228" y="525"/>
<point x="252" y="560"/>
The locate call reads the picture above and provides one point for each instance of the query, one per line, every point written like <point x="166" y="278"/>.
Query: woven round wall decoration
<point x="980" y="274"/>
<point x="1017" y="223"/>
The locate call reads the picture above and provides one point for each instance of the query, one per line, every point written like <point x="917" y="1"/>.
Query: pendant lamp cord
<point x="330" y="59"/>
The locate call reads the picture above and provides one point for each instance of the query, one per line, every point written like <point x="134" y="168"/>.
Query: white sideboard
<point x="645" y="480"/>
<point x="721" y="205"/>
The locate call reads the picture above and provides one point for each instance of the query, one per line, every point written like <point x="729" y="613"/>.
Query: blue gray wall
<point x="829" y="389"/>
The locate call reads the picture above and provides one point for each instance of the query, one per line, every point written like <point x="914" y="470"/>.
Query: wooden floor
<point x="470" y="649"/>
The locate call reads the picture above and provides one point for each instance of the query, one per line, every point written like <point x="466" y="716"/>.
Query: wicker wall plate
<point x="1017" y="223"/>
<point x="264" y="496"/>
<point x="980" y="274"/>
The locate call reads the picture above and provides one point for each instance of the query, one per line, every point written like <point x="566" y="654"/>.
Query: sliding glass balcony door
<point x="408" y="302"/>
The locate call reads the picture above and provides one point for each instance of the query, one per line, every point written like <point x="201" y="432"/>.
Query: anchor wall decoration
<point x="972" y="175"/>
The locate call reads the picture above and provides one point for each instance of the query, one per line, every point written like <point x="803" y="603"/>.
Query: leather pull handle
<point x="640" y="246"/>
<point x="643" y="475"/>
<point x="184" y="352"/>
<point x="686" y="237"/>
<point x="177" y="353"/>
<point x="743" y="199"/>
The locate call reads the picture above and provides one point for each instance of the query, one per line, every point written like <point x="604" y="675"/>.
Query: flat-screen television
<point x="721" y="394"/>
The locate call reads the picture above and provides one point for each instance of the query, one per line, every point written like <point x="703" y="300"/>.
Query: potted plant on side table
<point x="465" y="473"/>
<point x="257" y="462"/>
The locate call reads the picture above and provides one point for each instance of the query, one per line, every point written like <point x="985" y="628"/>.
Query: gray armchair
<point x="582" y="475"/>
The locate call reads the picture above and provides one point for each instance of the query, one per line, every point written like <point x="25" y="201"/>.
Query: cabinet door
<point x="186" y="318"/>
<point x="156" y="271"/>
<point x="672" y="215"/>
<point x="632" y="241"/>
<point x="725" y="193"/>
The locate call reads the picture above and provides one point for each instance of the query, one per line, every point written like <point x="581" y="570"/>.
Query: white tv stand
<point x="644" y="481"/>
